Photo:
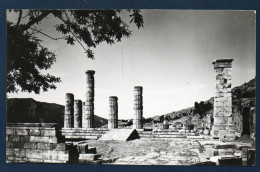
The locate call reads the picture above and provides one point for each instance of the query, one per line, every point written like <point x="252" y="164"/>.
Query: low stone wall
<point x="37" y="143"/>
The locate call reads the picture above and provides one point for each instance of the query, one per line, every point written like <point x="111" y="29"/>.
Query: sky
<point x="170" y="57"/>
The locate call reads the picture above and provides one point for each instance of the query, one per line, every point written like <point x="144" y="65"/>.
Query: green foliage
<point x="26" y="56"/>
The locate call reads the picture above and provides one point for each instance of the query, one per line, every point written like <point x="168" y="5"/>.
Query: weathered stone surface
<point x="113" y="112"/>
<point x="223" y="100"/>
<point x="251" y="157"/>
<point x="86" y="158"/>
<point x="226" y="151"/>
<point x="69" y="111"/>
<point x="48" y="132"/>
<point x="230" y="161"/>
<point x="92" y="150"/>
<point x="83" y="148"/>
<point x="77" y="113"/>
<point x="88" y="115"/>
<point x="35" y="132"/>
<point x="211" y="152"/>
<point x="138" y="107"/>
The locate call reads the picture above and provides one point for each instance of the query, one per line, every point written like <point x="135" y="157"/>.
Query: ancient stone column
<point x="138" y="107"/>
<point x="223" y="126"/>
<point x="113" y="112"/>
<point x="77" y="114"/>
<point x="69" y="111"/>
<point x="88" y="116"/>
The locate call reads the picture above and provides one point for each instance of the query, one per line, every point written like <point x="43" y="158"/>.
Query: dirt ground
<point x="149" y="151"/>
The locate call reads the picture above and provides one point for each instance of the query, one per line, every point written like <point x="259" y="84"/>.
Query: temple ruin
<point x="79" y="127"/>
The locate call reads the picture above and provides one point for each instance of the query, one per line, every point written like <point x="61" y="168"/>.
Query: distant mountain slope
<point x="27" y="110"/>
<point x="239" y="95"/>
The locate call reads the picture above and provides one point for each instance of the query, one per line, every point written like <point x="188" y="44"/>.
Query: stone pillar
<point x="77" y="114"/>
<point x="223" y="126"/>
<point x="113" y="112"/>
<point x="138" y="107"/>
<point x="69" y="111"/>
<point x="88" y="116"/>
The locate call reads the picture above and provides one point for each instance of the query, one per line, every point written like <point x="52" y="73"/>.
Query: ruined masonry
<point x="69" y="111"/>
<point x="223" y="126"/>
<point x="138" y="107"/>
<point x="113" y="112"/>
<point x="88" y="116"/>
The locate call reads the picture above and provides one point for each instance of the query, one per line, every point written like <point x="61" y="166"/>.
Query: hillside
<point x="27" y="110"/>
<point x="239" y="94"/>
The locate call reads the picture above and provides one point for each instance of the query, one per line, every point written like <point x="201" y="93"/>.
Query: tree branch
<point x="46" y="34"/>
<point x="74" y="34"/>
<point x="19" y="19"/>
<point x="36" y="20"/>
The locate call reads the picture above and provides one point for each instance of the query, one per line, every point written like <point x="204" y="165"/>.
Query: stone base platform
<point x="83" y="133"/>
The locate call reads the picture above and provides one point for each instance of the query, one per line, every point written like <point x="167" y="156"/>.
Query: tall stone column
<point x="138" y="107"/>
<point x="88" y="116"/>
<point x="69" y="111"/>
<point x="113" y="112"/>
<point x="77" y="114"/>
<point x="223" y="126"/>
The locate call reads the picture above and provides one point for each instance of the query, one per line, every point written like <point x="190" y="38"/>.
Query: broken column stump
<point x="69" y="111"/>
<point x="113" y="112"/>
<point x="138" y="107"/>
<point x="223" y="127"/>
<point x="88" y="116"/>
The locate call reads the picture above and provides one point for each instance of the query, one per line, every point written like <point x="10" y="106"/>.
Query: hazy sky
<point x="171" y="57"/>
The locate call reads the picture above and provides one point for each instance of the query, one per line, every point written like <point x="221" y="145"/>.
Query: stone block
<point x="25" y="138"/>
<point x="17" y="144"/>
<point x="42" y="139"/>
<point x="49" y="154"/>
<point x="14" y="138"/>
<point x="92" y="150"/>
<point x="48" y="132"/>
<point x="9" y="158"/>
<point x="63" y="155"/>
<point x="82" y="148"/>
<point x="9" y="131"/>
<point x="86" y="158"/>
<point x="30" y="145"/>
<point x="23" y="132"/>
<point x="251" y="157"/>
<point x="9" y="152"/>
<point x="226" y="151"/>
<point x="230" y="161"/>
<point x="35" y="132"/>
<point x="211" y="152"/>
<point x="34" y="153"/>
<point x="225" y="146"/>
<point x="54" y="161"/>
<point x="34" y="160"/>
<point x="46" y="146"/>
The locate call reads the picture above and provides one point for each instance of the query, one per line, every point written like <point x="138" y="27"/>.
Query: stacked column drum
<point x="113" y="112"/>
<point x="77" y="114"/>
<point x="138" y="107"/>
<point x="88" y="116"/>
<point x="69" y="111"/>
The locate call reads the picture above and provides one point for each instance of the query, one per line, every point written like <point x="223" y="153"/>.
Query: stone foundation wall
<point x="37" y="143"/>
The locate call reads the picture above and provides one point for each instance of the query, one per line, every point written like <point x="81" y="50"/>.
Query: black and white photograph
<point x="131" y="87"/>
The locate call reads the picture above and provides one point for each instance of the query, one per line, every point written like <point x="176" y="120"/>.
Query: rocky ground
<point x="150" y="151"/>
